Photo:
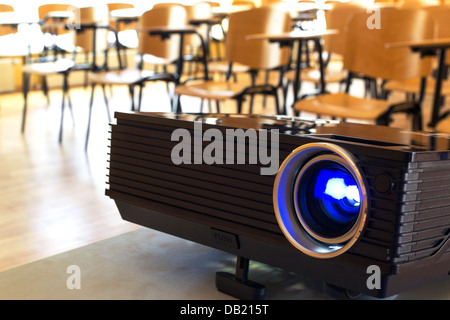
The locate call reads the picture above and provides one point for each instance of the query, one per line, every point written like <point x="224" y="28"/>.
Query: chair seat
<point x="313" y="75"/>
<point x="223" y="66"/>
<point x="151" y="59"/>
<point x="47" y="68"/>
<point x="216" y="90"/>
<point x="118" y="77"/>
<point x="413" y="86"/>
<point x="343" y="106"/>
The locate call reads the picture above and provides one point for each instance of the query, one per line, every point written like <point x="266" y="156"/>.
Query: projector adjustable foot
<point x="238" y="285"/>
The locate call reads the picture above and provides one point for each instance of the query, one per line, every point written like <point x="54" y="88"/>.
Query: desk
<point x="288" y="39"/>
<point x="430" y="47"/>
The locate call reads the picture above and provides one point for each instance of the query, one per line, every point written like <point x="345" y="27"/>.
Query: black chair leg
<point x="176" y="106"/>
<point x="202" y="102"/>
<point x="106" y="103"/>
<point x="89" y="117"/>
<point x="285" y="90"/>
<point x="277" y="103"/>
<point x="417" y="118"/>
<point x="45" y="89"/>
<point x="69" y="101"/>
<point x="141" y="88"/>
<point x="65" y="93"/>
<point x="218" y="106"/>
<point x="239" y="105"/>
<point x="65" y="89"/>
<point x="266" y="82"/>
<point x="26" y="82"/>
<point x="131" y="90"/>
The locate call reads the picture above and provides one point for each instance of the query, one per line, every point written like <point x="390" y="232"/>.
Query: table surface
<point x="169" y="29"/>
<point x="293" y="35"/>
<point x="128" y="13"/>
<point x="147" y="264"/>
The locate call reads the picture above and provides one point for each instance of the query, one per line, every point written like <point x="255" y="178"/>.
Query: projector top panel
<point x="366" y="134"/>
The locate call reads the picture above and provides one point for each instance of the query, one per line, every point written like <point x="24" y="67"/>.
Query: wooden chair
<point x="153" y="50"/>
<point x="45" y="65"/>
<point x="366" y="54"/>
<point x="441" y="16"/>
<point x="49" y="21"/>
<point x="257" y="54"/>
<point x="333" y="45"/>
<point x="87" y="38"/>
<point x="124" y="27"/>
<point x="418" y="88"/>
<point x="160" y="50"/>
<point x="5" y="30"/>
<point x="156" y="52"/>
<point x="221" y="66"/>
<point x="127" y="25"/>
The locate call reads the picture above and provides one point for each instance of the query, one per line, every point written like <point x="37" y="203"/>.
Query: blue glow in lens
<point x="338" y="192"/>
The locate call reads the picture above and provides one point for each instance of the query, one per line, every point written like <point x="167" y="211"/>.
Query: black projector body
<point x="384" y="231"/>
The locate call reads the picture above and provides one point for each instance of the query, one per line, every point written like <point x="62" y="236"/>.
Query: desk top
<point x="303" y="7"/>
<point x="291" y="36"/>
<point x="59" y="15"/>
<point x="169" y="29"/>
<point x="128" y="13"/>
<point x="10" y="19"/>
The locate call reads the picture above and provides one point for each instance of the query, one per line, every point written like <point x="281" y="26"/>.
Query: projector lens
<point x="327" y="199"/>
<point x="320" y="199"/>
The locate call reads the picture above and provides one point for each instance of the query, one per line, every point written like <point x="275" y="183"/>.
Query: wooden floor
<point x="52" y="196"/>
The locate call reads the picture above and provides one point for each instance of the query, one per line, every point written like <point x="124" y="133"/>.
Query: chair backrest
<point x="45" y="9"/>
<point x="441" y="16"/>
<point x="6" y="8"/>
<point x="84" y="38"/>
<point x="417" y="3"/>
<point x="5" y="30"/>
<point x="337" y="18"/>
<point x="161" y="16"/>
<point x="257" y="54"/>
<point x="368" y="55"/>
<point x="199" y="10"/>
<point x="249" y="3"/>
<point x="120" y="6"/>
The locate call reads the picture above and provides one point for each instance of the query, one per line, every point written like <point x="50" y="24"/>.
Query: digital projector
<point x="363" y="208"/>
